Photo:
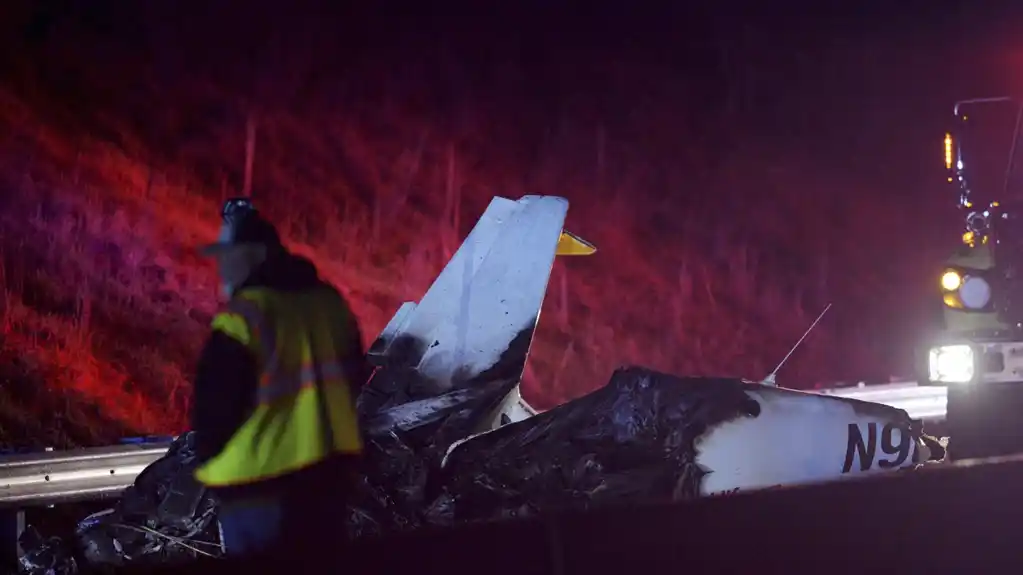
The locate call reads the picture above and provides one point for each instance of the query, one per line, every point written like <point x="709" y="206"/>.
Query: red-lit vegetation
<point x="714" y="255"/>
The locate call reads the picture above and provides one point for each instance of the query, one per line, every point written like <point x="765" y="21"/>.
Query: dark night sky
<point x="863" y="83"/>
<point x="861" y="88"/>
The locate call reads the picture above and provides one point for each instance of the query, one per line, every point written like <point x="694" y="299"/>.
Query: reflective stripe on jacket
<point x="304" y="409"/>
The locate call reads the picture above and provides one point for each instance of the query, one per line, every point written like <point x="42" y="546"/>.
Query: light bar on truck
<point x="948" y="151"/>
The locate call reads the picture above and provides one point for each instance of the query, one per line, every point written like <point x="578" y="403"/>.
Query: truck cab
<point x="977" y="351"/>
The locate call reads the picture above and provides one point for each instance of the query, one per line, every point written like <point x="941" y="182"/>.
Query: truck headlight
<point x="955" y="363"/>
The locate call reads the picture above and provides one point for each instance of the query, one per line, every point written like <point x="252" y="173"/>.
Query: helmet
<point x="243" y="225"/>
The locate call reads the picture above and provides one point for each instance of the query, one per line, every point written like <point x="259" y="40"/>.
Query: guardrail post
<point x="12" y="525"/>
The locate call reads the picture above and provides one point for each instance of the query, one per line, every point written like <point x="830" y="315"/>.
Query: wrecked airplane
<point x="449" y="439"/>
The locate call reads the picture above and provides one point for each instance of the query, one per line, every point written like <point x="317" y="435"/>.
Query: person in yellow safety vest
<point x="273" y="407"/>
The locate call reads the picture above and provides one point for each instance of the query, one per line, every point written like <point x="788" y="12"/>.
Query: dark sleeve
<point x="224" y="393"/>
<point x="357" y="365"/>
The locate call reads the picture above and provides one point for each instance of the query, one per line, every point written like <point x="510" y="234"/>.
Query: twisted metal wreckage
<point x="449" y="439"/>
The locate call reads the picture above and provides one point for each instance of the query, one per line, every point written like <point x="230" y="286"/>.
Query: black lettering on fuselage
<point x="856" y="447"/>
<point x="866" y="449"/>
<point x="888" y="446"/>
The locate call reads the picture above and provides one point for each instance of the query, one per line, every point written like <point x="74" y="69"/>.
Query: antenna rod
<point x="769" y="380"/>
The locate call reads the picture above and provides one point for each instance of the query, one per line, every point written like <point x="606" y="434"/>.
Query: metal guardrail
<point x="50" y="477"/>
<point x="920" y="401"/>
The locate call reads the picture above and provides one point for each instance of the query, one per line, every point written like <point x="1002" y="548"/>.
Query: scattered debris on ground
<point x="165" y="517"/>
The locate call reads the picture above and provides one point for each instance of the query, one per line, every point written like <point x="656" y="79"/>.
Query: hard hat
<point x="242" y="225"/>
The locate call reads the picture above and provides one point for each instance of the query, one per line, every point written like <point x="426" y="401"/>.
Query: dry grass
<point x="701" y="270"/>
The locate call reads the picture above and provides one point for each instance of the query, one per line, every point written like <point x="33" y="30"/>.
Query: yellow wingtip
<point x="570" y="244"/>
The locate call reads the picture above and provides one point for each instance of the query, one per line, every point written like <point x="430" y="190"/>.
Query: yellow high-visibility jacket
<point x="298" y="408"/>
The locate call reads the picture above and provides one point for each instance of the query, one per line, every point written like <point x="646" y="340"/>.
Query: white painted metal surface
<point x="515" y="408"/>
<point x="487" y="295"/>
<point x="73" y="475"/>
<point x="491" y="289"/>
<point x="801" y="437"/>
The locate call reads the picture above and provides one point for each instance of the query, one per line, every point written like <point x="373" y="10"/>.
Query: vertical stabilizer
<point x="480" y="313"/>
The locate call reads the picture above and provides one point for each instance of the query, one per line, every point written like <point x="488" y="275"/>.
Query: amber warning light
<point x="948" y="151"/>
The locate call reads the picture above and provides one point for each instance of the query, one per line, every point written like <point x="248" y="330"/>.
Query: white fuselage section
<point x="804" y="438"/>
